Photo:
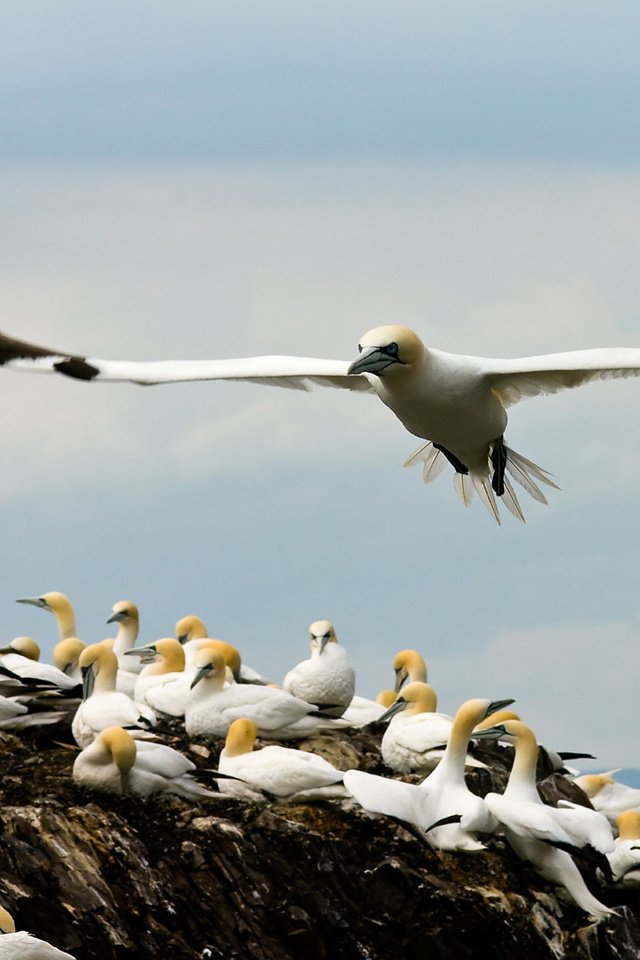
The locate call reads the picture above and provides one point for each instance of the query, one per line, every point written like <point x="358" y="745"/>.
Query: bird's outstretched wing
<point x="298" y="373"/>
<point x="514" y="380"/>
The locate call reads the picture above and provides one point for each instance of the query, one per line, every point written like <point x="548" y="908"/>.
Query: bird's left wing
<point x="298" y="373"/>
<point x="514" y="380"/>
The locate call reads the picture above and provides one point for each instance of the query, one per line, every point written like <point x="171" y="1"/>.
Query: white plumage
<point x="457" y="403"/>
<point x="212" y="707"/>
<point x="20" y="945"/>
<point x="442" y="794"/>
<point x="535" y="830"/>
<point x="103" y="706"/>
<point x="326" y="679"/>
<point x="116" y="763"/>
<point x="280" y="771"/>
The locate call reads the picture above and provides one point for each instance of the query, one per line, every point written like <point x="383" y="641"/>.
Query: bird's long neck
<point x="66" y="621"/>
<point x="126" y="636"/>
<point x="522" y="779"/>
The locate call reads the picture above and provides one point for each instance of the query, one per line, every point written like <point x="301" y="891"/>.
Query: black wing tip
<point x="77" y="367"/>
<point x="72" y="366"/>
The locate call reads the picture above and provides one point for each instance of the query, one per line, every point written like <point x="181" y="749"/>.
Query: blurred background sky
<point x="231" y="179"/>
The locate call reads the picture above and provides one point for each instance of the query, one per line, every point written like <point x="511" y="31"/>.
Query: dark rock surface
<point x="108" y="877"/>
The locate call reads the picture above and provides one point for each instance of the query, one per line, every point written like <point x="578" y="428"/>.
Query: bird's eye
<point x="359" y="348"/>
<point x="392" y="349"/>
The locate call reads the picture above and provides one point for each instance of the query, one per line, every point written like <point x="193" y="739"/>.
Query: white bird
<point x="116" y="763"/>
<point x="441" y="796"/>
<point x="326" y="679"/>
<point x="163" y="672"/>
<point x="60" y="606"/>
<point x="409" y="666"/>
<point x="192" y="633"/>
<point x="414" y="739"/>
<point x="542" y="834"/>
<point x="362" y="710"/>
<point x="102" y="705"/>
<point x="20" y="945"/>
<point x="607" y="795"/>
<point x="66" y="657"/>
<point x="22" y="657"/>
<point x="125" y="614"/>
<point x="624" y="859"/>
<point x="212" y="707"/>
<point x="277" y="770"/>
<point x="457" y="403"/>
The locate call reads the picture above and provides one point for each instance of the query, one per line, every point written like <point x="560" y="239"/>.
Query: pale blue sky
<point x="233" y="179"/>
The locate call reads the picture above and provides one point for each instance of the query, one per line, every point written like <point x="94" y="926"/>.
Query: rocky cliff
<point x="109" y="878"/>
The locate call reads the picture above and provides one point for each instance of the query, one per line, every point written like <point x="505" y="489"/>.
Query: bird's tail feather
<point x="523" y="471"/>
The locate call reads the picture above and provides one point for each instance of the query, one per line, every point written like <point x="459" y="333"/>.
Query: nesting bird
<point x="544" y="835"/>
<point x="20" y="945"/>
<point x="116" y="763"/>
<point x="409" y="666"/>
<point x="607" y="795"/>
<point x="60" y="606"/>
<point x="624" y="859"/>
<point x="414" y="738"/>
<point x="457" y="404"/>
<point x="102" y="705"/>
<point x="212" y="708"/>
<point x="281" y="771"/>
<point x="441" y="796"/>
<point x="326" y="679"/>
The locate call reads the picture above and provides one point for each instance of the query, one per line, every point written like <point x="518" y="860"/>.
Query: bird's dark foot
<point x="458" y="466"/>
<point x="499" y="464"/>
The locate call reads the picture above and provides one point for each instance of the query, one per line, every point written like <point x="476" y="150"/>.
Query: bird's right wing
<point x="298" y="373"/>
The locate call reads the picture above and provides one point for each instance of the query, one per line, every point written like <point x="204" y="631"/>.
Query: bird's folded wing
<point x="514" y="380"/>
<point x="298" y="373"/>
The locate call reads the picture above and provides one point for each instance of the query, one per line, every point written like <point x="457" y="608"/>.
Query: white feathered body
<point x="280" y="771"/>
<point x="326" y="679"/>
<point x="22" y="946"/>
<point x="209" y="713"/>
<point x="109" y="709"/>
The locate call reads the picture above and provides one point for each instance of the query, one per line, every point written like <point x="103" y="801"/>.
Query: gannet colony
<point x="204" y="803"/>
<point x="163" y="798"/>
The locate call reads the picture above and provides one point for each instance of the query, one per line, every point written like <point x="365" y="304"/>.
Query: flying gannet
<point x="20" y="945"/>
<point x="116" y="763"/>
<point x="442" y="795"/>
<point x="326" y="679"/>
<point x="456" y="403"/>
<point x="546" y="836"/>
<point x="280" y="771"/>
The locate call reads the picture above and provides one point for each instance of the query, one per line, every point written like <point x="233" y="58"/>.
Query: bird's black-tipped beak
<point x="200" y="675"/>
<point x="496" y="705"/>
<point x="393" y="709"/>
<point x="490" y="733"/>
<point x="33" y="601"/>
<point x="117" y="617"/>
<point x="373" y="360"/>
